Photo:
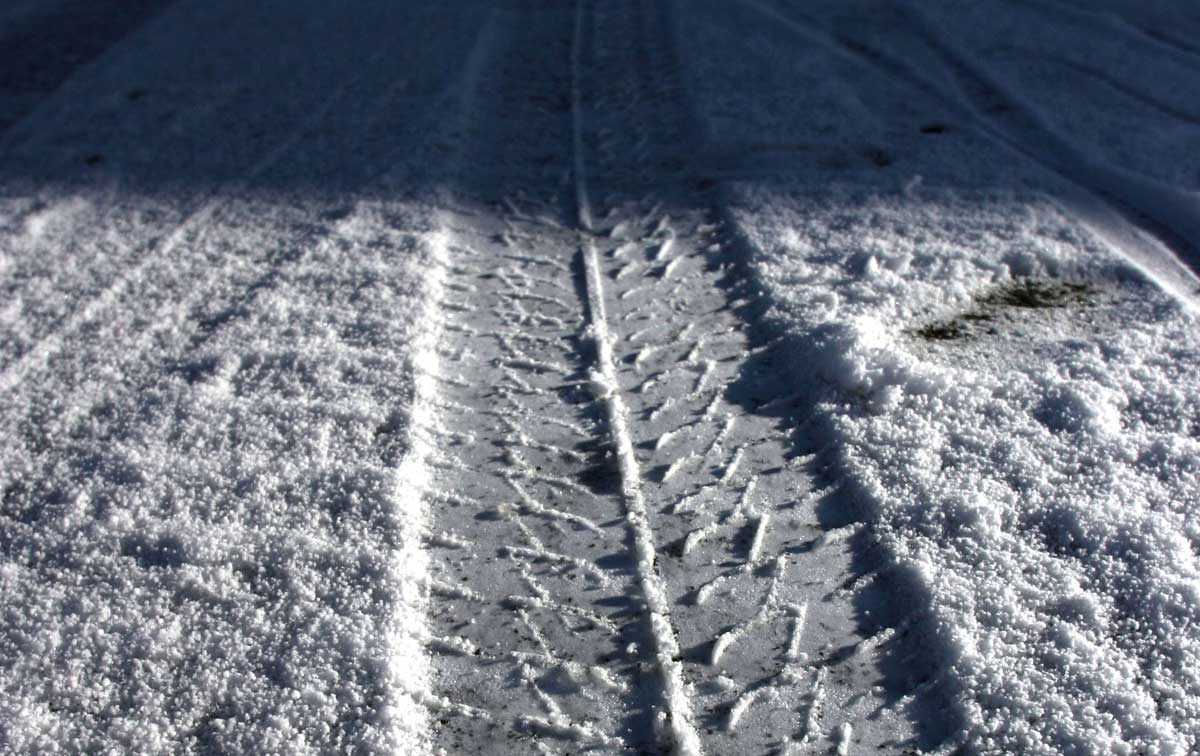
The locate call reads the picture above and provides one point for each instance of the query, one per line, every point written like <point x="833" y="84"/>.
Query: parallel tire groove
<point x="684" y="737"/>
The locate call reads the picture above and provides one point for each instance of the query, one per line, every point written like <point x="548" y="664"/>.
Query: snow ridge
<point x="684" y="735"/>
<point x="409" y="662"/>
<point x="604" y="383"/>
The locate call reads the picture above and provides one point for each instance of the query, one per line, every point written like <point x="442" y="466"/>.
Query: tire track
<point x="127" y="223"/>
<point x="165" y="303"/>
<point x="534" y="612"/>
<point x="684" y="739"/>
<point x="759" y="565"/>
<point x="629" y="555"/>
<point x="535" y="631"/>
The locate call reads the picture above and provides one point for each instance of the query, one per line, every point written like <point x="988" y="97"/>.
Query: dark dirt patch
<point x="1034" y="293"/>
<point x="941" y="331"/>
<point x="998" y="303"/>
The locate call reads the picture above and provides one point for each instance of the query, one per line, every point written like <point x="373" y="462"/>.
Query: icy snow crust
<point x="1009" y="397"/>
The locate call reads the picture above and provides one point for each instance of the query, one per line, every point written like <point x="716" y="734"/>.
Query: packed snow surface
<point x="282" y="285"/>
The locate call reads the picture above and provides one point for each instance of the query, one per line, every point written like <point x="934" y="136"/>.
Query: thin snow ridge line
<point x="408" y="660"/>
<point x="1183" y="56"/>
<point x="685" y="738"/>
<point x="684" y="734"/>
<point x="409" y="664"/>
<point x="583" y="202"/>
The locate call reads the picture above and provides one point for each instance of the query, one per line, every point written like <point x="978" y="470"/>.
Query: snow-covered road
<point x="639" y="376"/>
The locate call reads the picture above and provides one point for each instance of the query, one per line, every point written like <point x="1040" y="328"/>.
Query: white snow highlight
<point x="408" y="661"/>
